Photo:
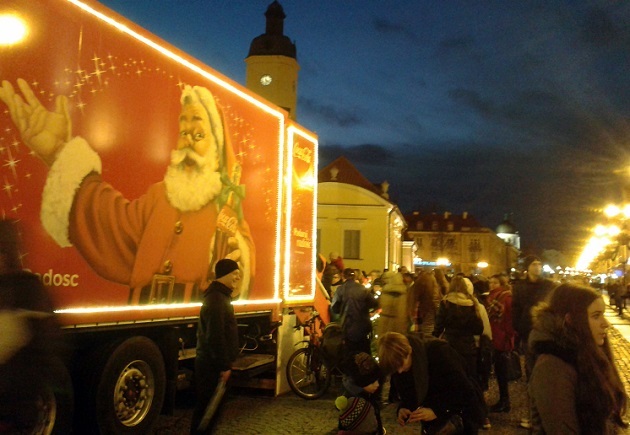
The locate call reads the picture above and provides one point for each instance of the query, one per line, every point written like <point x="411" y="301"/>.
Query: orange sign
<point x="302" y="224"/>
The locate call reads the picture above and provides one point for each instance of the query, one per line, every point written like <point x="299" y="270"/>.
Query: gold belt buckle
<point x="162" y="289"/>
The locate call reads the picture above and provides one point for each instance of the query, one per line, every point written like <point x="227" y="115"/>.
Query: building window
<point x="434" y="225"/>
<point x="450" y="244"/>
<point x="474" y="249"/>
<point x="352" y="244"/>
<point x="419" y="225"/>
<point x="450" y="226"/>
<point x="419" y="242"/>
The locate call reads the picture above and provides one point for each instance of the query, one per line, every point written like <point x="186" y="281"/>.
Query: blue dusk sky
<point x="489" y="107"/>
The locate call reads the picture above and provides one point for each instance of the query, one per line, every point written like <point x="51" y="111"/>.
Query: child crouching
<point x="360" y="410"/>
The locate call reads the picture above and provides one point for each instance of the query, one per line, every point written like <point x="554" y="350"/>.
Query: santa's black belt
<point x="164" y="290"/>
<point x="393" y="294"/>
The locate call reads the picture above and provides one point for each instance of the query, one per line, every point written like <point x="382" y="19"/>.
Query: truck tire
<point x="58" y="386"/>
<point x="37" y="399"/>
<point x="130" y="392"/>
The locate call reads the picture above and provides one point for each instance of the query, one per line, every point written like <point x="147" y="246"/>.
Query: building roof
<point x="342" y="171"/>
<point x="273" y="42"/>
<point x="442" y="222"/>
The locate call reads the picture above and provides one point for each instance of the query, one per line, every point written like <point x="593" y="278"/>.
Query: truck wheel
<point x="54" y="404"/>
<point x="130" y="392"/>
<point x="38" y="400"/>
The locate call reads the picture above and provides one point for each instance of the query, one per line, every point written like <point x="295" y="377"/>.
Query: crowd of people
<point x="436" y="340"/>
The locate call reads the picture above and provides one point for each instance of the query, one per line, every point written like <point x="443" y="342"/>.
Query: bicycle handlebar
<point x="311" y="320"/>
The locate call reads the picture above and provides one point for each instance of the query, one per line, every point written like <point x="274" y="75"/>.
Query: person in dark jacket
<point x="458" y="320"/>
<point x="32" y="349"/>
<point x="431" y="382"/>
<point x="526" y="294"/>
<point x="353" y="303"/>
<point x="217" y="338"/>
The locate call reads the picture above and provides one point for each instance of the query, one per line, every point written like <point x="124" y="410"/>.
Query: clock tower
<point x="272" y="68"/>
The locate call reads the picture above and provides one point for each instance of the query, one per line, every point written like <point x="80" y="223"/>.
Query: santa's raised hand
<point x="43" y="131"/>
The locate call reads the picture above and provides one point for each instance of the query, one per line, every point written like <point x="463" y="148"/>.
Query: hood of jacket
<point x="394" y="282"/>
<point x="550" y="336"/>
<point x="458" y="299"/>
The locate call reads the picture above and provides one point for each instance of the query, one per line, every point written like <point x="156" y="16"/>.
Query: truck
<point x="122" y="223"/>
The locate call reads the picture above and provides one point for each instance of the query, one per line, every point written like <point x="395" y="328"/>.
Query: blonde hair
<point x="393" y="349"/>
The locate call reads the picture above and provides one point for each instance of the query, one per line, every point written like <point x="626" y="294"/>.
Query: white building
<point x="356" y="219"/>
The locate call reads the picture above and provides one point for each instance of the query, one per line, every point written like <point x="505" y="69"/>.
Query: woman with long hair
<point x="441" y="280"/>
<point x="423" y="300"/>
<point x="575" y="386"/>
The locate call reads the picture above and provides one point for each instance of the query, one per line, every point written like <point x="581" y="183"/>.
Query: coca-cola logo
<point x="230" y="223"/>
<point x="302" y="161"/>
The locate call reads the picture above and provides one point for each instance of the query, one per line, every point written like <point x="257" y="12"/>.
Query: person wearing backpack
<point x="353" y="303"/>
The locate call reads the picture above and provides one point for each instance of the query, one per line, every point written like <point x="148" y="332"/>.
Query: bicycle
<point x="310" y="369"/>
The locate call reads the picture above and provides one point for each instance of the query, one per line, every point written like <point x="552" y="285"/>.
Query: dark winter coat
<point x="439" y="381"/>
<point x="217" y="334"/>
<point x="526" y="294"/>
<point x="354" y="302"/>
<point x="459" y="323"/>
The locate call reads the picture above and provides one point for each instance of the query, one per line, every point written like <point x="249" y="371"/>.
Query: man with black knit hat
<point x="526" y="293"/>
<point x="217" y="337"/>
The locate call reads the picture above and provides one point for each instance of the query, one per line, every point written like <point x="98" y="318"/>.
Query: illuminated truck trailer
<point x="131" y="169"/>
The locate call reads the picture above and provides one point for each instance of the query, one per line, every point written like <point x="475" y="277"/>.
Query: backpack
<point x="331" y="343"/>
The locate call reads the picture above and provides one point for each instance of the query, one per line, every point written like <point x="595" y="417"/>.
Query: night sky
<point x="488" y="107"/>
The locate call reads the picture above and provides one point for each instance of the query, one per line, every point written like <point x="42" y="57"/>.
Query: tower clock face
<point x="265" y="80"/>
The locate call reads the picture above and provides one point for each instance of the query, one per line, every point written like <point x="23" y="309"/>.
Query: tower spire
<point x="272" y="67"/>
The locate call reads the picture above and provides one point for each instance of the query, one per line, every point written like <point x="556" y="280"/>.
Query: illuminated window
<point x="419" y="242"/>
<point x="419" y="225"/>
<point x="474" y="249"/>
<point x="434" y="225"/>
<point x="352" y="244"/>
<point x="450" y="226"/>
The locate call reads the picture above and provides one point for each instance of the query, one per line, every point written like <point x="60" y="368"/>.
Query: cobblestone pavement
<point x="251" y="413"/>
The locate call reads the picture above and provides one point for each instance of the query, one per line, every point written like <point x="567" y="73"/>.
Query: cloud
<point x="330" y="113"/>
<point x="366" y="154"/>
<point x="473" y="100"/>
<point x="387" y="27"/>
<point x="598" y="29"/>
<point x="461" y="43"/>
<point x="550" y="193"/>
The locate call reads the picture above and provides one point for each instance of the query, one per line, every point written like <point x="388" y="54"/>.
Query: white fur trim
<point x="75" y="161"/>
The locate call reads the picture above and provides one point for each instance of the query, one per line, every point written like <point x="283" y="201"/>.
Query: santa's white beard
<point x="190" y="190"/>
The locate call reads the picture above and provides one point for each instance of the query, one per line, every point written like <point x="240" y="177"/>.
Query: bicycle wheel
<point x="307" y="374"/>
